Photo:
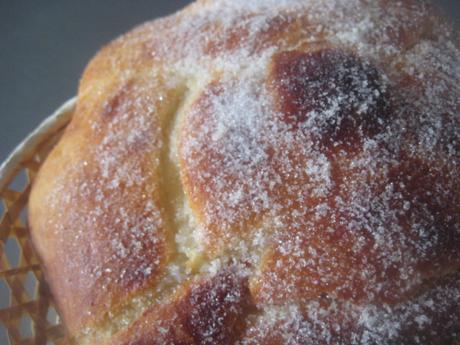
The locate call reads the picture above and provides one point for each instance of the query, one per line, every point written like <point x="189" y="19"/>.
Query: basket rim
<point x="26" y="149"/>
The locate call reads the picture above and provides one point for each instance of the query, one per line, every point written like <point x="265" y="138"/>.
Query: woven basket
<point x="27" y="312"/>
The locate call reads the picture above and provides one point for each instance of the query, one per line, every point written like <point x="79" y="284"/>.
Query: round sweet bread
<point x="261" y="172"/>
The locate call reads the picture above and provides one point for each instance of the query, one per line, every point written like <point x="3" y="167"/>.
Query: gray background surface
<point x="44" y="46"/>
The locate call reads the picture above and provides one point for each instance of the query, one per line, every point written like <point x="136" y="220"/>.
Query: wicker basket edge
<point x="26" y="149"/>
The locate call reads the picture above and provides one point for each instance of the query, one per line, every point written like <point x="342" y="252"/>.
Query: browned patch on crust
<point x="209" y="312"/>
<point x="229" y="39"/>
<point x="341" y="95"/>
<point x="117" y="103"/>
<point x="238" y="36"/>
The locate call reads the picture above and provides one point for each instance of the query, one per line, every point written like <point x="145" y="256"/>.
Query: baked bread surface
<point x="261" y="172"/>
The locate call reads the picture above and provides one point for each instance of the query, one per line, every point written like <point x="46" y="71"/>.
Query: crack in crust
<point x="181" y="266"/>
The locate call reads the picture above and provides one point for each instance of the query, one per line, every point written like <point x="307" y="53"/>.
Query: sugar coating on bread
<point x="261" y="172"/>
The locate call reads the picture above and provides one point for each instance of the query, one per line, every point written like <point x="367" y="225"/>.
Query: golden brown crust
<point x="337" y="322"/>
<point x="211" y="311"/>
<point x="267" y="171"/>
<point x="110" y="224"/>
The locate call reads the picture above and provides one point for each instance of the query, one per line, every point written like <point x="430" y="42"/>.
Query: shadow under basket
<point x="27" y="312"/>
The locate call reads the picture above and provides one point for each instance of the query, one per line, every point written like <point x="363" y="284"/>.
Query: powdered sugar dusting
<point x="319" y="149"/>
<point x="332" y="322"/>
<point x="333" y="182"/>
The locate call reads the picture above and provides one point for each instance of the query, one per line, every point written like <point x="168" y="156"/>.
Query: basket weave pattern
<point x="27" y="312"/>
